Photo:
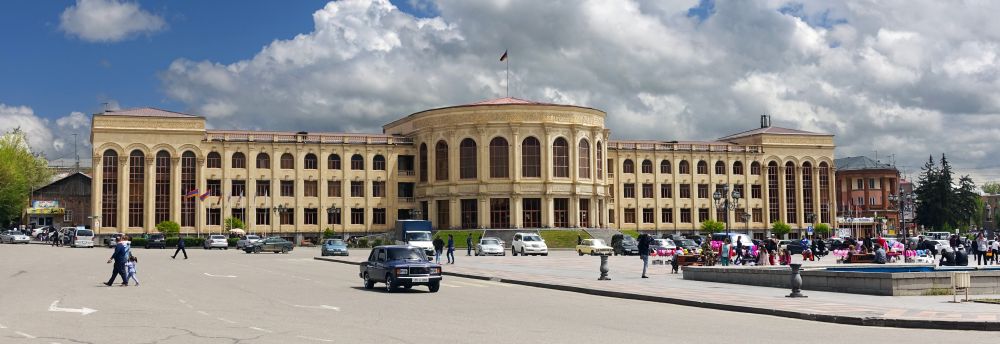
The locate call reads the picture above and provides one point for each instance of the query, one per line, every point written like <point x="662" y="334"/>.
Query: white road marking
<point x="225" y="276"/>
<point x="261" y="329"/>
<point x="227" y="320"/>
<point x="319" y="307"/>
<point x="203" y="312"/>
<point x="316" y="339"/>
<point x="83" y="311"/>
<point x="25" y="335"/>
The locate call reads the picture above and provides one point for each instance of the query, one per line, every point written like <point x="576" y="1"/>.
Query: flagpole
<point x="507" y="62"/>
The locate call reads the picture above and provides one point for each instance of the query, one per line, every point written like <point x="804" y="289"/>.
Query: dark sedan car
<point x="624" y="245"/>
<point x="400" y="266"/>
<point x="270" y="244"/>
<point x="156" y="240"/>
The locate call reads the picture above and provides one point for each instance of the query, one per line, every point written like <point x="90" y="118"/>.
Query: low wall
<point x="869" y="283"/>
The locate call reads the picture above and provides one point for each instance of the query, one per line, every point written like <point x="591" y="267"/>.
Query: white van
<point x="83" y="238"/>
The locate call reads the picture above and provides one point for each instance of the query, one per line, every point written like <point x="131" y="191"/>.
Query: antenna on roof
<point x="105" y="106"/>
<point x="765" y="121"/>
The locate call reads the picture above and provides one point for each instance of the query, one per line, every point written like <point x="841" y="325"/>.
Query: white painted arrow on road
<point x="83" y="311"/>
<point x="226" y="276"/>
<point x="320" y="307"/>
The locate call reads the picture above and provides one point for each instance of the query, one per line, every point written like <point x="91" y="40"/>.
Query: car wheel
<point x="226" y="248"/>
<point x="513" y="252"/>
<point x="545" y="254"/>
<point x="522" y="251"/>
<point x="368" y="281"/>
<point x="580" y="252"/>
<point x="389" y="283"/>
<point x="592" y="253"/>
<point x="256" y="249"/>
<point x="408" y="286"/>
<point x="434" y="286"/>
<point x="284" y="250"/>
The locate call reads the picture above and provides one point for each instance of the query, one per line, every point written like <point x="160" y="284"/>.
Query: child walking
<point x="130" y="267"/>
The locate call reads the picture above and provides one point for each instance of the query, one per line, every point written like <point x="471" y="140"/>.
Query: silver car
<point x="15" y="237"/>
<point x="216" y="241"/>
<point x="247" y="240"/>
<point x="490" y="247"/>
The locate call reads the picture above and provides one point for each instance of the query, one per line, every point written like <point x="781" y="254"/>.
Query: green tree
<point x="991" y="188"/>
<point x="780" y="228"/>
<point x="169" y="229"/>
<point x="232" y="222"/>
<point x="328" y="233"/>
<point x="21" y="171"/>
<point x="712" y="226"/>
<point x="821" y="229"/>
<point x="941" y="204"/>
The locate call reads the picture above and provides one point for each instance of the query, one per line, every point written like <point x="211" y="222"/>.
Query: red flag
<point x="504" y="56"/>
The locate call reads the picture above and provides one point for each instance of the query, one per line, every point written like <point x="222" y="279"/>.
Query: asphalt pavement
<point x="55" y="295"/>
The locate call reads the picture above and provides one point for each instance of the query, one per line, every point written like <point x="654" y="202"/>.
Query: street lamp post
<point x="280" y="209"/>
<point x="334" y="212"/>
<point x="746" y="220"/>
<point x="727" y="201"/>
<point x="903" y="201"/>
<point x="811" y="217"/>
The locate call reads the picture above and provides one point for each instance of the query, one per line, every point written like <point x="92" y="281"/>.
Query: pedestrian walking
<point x="451" y="249"/>
<point x="180" y="248"/>
<point x="120" y="256"/>
<point x="468" y="245"/>
<point x="644" y="252"/>
<point x="55" y="239"/>
<point x="726" y="252"/>
<point x="981" y="247"/>
<point x="438" y="249"/>
<point x="130" y="268"/>
<point x="994" y="251"/>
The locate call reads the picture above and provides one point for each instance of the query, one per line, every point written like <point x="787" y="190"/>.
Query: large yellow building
<point x="503" y="163"/>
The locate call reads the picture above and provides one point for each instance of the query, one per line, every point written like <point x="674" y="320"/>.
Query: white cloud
<point x="108" y="20"/>
<point x="53" y="140"/>
<point x="905" y="78"/>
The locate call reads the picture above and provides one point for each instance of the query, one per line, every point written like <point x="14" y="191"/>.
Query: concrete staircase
<point x="507" y="235"/>
<point x="602" y="233"/>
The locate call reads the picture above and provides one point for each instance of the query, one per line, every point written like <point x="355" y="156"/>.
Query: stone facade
<point x="863" y="188"/>
<point x="505" y="163"/>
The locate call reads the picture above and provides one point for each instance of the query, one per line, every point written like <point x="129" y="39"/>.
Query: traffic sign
<point x="809" y="230"/>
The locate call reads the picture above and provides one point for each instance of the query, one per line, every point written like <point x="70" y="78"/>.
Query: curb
<point x="845" y="320"/>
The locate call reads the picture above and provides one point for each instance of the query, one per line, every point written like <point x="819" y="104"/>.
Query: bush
<point x="363" y="242"/>
<point x="377" y="242"/>
<point x="821" y="229"/>
<point x="710" y="227"/>
<point x="139" y="242"/>
<point x="232" y="241"/>
<point x="188" y="242"/>
<point x="168" y="228"/>
<point x="780" y="228"/>
<point x="233" y="222"/>
<point x="328" y="233"/>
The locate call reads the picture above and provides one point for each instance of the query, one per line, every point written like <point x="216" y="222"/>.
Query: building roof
<point x="771" y="131"/>
<point x="860" y="163"/>
<point x="147" y="112"/>
<point x="60" y="177"/>
<point x="508" y="100"/>
<point x="254" y="132"/>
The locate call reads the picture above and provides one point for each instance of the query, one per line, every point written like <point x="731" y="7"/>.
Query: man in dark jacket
<point x="644" y="252"/>
<point x="180" y="248"/>
<point x="947" y="257"/>
<point x="961" y="257"/>
<point x="120" y="256"/>
<point x="468" y="245"/>
<point x="438" y="249"/>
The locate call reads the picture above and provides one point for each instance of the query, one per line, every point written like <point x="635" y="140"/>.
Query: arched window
<point x="378" y="162"/>
<point x="162" y="188"/>
<point x="287" y="161"/>
<point x="824" y="193"/>
<point x="310" y="162"/>
<point x="441" y="161"/>
<point x="790" y="202"/>
<point x="628" y="166"/>
<point x="647" y="166"/>
<point x="684" y="167"/>
<point x="665" y="167"/>
<point x="423" y="162"/>
<point x="467" y="159"/>
<point x="239" y="160"/>
<point x="600" y="162"/>
<point x="702" y="167"/>
<point x="807" y="191"/>
<point x="584" y="160"/>
<point x="263" y="160"/>
<point x="720" y="167"/>
<point x="772" y="192"/>
<point x="109" y="189"/>
<point x="333" y="162"/>
<point x="560" y="158"/>
<point x="136" y="186"/>
<point x="357" y="162"/>
<point x="531" y="158"/>
<point x="188" y="179"/>
<point x="499" y="152"/>
<point x="737" y="167"/>
<point x="214" y="160"/>
<point x="755" y="168"/>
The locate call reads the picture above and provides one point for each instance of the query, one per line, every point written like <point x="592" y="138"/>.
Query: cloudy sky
<point x="903" y="78"/>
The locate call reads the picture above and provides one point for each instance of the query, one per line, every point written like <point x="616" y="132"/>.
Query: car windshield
<point x="252" y="237"/>
<point x="489" y="242"/>
<point x="686" y="242"/>
<point x="598" y="242"/>
<point x="156" y="236"/>
<point x="531" y="238"/>
<point x="84" y="232"/>
<point x="628" y="239"/>
<point x="218" y="237"/>
<point x="334" y="242"/>
<point x="16" y="233"/>
<point x="418" y="236"/>
<point x="402" y="253"/>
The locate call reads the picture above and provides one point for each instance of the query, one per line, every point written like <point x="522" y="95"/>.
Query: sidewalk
<point x="569" y="272"/>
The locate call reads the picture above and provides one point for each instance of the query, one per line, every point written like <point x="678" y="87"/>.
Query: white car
<point x="490" y="246"/>
<point x="216" y="241"/>
<point x="594" y="247"/>
<point x="662" y="244"/>
<point x="15" y="237"/>
<point x="248" y="240"/>
<point x="528" y="243"/>
<point x="82" y="238"/>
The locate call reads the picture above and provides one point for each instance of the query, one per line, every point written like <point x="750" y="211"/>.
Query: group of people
<point x="124" y="263"/>
<point x="957" y="252"/>
<point x="439" y="246"/>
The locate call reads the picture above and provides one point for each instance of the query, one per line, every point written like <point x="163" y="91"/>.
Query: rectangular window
<point x="871" y="183"/>
<point x="628" y="190"/>
<point x="357" y="216"/>
<point x="561" y="212"/>
<point x="263" y="216"/>
<point x="702" y="214"/>
<point x="310" y="216"/>
<point x="702" y="167"/>
<point x="666" y="190"/>
<point x="647" y="215"/>
<point x="611" y="191"/>
<point x="685" y="190"/>
<point x="357" y="164"/>
<point x="611" y="167"/>
<point x="755" y="169"/>
<point x="213" y="217"/>
<point x="263" y="188"/>
<point x="702" y="190"/>
<point x="531" y="210"/>
<point x="239" y="213"/>
<point x="630" y="215"/>
<point x="287" y="217"/>
<point x="647" y="190"/>
<point x="287" y="188"/>
<point x="136" y="194"/>
<point x="378" y="216"/>
<point x="758" y="215"/>
<point x="500" y="213"/>
<point x="470" y="213"/>
<point x="357" y="188"/>
<point x="720" y="168"/>
<point x="667" y="215"/>
<point x="742" y="191"/>
<point x="333" y="188"/>
<point x="163" y="179"/>
<point x="310" y="188"/>
<point x="755" y="192"/>
<point x="378" y="165"/>
<point x="378" y="189"/>
<point x="443" y="215"/>
<point x="214" y="161"/>
<point x="720" y="214"/>
<point x="685" y="215"/>
<point x="238" y="188"/>
<point x="861" y="184"/>
<point x="333" y="217"/>
<point x="68" y="216"/>
<point x="214" y="187"/>
<point x="611" y="213"/>
<point x="584" y="213"/>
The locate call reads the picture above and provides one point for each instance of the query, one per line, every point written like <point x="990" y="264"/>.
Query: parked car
<point x="687" y="244"/>
<point x="333" y="247"/>
<point x="38" y="232"/>
<point x="400" y="266"/>
<point x="733" y="238"/>
<point x="662" y="244"/>
<point x="15" y="237"/>
<point x="490" y="246"/>
<point x="82" y="238"/>
<point x="793" y="246"/>
<point x="270" y="244"/>
<point x="697" y="238"/>
<point x="594" y="247"/>
<point x="247" y="239"/>
<point x="835" y="244"/>
<point x="528" y="243"/>
<point x="156" y="240"/>
<point x="624" y="245"/>
<point x="216" y="241"/>
<point x="112" y="239"/>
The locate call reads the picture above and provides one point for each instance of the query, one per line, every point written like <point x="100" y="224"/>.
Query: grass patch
<point x="459" y="235"/>
<point x="632" y="232"/>
<point x="562" y="238"/>
<point x="937" y="291"/>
